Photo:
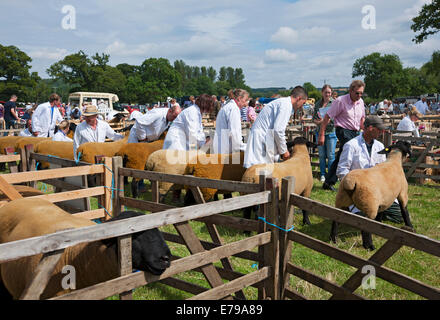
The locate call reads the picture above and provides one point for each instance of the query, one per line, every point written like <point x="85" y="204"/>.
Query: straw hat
<point x="90" y="110"/>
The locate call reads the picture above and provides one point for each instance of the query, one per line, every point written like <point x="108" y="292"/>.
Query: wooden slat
<point x="419" y="160"/>
<point x="71" y="195"/>
<point x="42" y="275"/>
<point x="125" y="283"/>
<point x="234" y="285"/>
<point x="407" y="238"/>
<point x="8" y="190"/>
<point x="231" y="222"/>
<point x="52" y="174"/>
<point x="55" y="160"/>
<point x="321" y="282"/>
<point x="144" y="205"/>
<point x="125" y="263"/>
<point x="64" y="239"/>
<point x="387" y="274"/>
<point x="293" y="295"/>
<point x="91" y="215"/>
<point x="234" y="186"/>
<point x="10" y="158"/>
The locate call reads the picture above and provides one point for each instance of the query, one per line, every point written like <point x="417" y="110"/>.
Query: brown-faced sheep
<point x="90" y="150"/>
<point x="215" y="166"/>
<point x="172" y="162"/>
<point x="298" y="166"/>
<point x="374" y="189"/>
<point x="94" y="262"/>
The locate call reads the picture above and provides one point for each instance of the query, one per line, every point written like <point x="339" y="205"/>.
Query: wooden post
<point x="272" y="254"/>
<point x="31" y="163"/>
<point x="13" y="164"/>
<point x="119" y="185"/>
<point x="262" y="227"/>
<point x="108" y="183"/>
<point x="286" y="221"/>
<point x="155" y="196"/>
<point x="23" y="161"/>
<point x="125" y="261"/>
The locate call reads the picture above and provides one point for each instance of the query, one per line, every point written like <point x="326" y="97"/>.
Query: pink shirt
<point x="347" y="114"/>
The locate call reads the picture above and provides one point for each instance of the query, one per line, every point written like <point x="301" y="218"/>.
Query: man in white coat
<point x="267" y="137"/>
<point x="92" y="130"/>
<point x="46" y="116"/>
<point x="361" y="152"/>
<point x="228" y="135"/>
<point x="150" y="126"/>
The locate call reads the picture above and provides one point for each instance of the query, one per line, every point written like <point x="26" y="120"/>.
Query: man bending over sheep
<point x="150" y="126"/>
<point x="92" y="130"/>
<point x="362" y="153"/>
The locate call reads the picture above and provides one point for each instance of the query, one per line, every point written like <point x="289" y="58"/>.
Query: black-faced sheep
<point x="94" y="262"/>
<point x="298" y="166"/>
<point x="374" y="189"/>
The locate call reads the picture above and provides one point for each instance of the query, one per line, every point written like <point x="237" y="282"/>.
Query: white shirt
<point x="267" y="137"/>
<point x="407" y="125"/>
<point x="228" y="135"/>
<point x="134" y="115"/>
<point x="355" y="156"/>
<point x="25" y="133"/>
<point x="186" y="131"/>
<point x="44" y="120"/>
<point x="84" y="133"/>
<point x="421" y="106"/>
<point x="149" y="126"/>
<point x="61" y="136"/>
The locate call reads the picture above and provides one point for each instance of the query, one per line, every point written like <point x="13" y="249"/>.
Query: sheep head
<point x="403" y="146"/>
<point x="149" y="249"/>
<point x="299" y="141"/>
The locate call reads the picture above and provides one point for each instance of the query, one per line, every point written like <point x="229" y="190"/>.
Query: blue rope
<point x="271" y="224"/>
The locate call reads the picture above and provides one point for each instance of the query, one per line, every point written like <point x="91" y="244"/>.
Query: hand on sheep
<point x="285" y="156"/>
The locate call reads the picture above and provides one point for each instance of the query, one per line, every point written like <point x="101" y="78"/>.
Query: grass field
<point x="424" y="208"/>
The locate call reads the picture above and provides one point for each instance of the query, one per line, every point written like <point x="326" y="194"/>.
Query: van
<point x="103" y="101"/>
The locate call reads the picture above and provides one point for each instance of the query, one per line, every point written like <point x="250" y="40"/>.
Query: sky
<point x="277" y="43"/>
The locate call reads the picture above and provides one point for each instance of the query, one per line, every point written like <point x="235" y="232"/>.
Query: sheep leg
<point x="367" y="240"/>
<point x="306" y="220"/>
<point x="334" y="231"/>
<point x="134" y="188"/>
<point x="405" y="216"/>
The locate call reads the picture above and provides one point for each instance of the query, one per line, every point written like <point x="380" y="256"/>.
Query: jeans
<point x="327" y="152"/>
<point x="344" y="135"/>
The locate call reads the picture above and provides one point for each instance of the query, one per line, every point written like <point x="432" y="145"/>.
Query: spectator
<point x="327" y="150"/>
<point x="422" y="106"/>
<point x="348" y="114"/>
<point x="217" y="107"/>
<point x="251" y="113"/>
<point x="408" y="123"/>
<point x="63" y="131"/>
<point x="68" y="111"/>
<point x="2" y="117"/>
<point x="10" y="115"/>
<point x="27" y="132"/>
<point x="46" y="116"/>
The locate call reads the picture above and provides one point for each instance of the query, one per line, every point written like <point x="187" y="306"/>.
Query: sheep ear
<point x="384" y="151"/>
<point x="311" y="145"/>
<point x="289" y="144"/>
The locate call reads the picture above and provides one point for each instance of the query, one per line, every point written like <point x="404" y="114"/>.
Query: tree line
<point x="153" y="80"/>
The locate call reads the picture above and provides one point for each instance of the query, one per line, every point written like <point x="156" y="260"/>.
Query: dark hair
<point x="205" y="102"/>
<point x="54" y="97"/>
<point x="299" y="91"/>
<point x="327" y="86"/>
<point x="252" y="103"/>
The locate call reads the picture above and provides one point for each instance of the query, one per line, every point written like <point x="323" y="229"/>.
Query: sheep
<point x="374" y="189"/>
<point x="172" y="162"/>
<point x="21" y="143"/>
<point x="60" y="149"/>
<point x="94" y="262"/>
<point x="298" y="166"/>
<point x="215" y="166"/>
<point x="135" y="156"/>
<point x="8" y="141"/>
<point x="25" y="191"/>
<point x="90" y="150"/>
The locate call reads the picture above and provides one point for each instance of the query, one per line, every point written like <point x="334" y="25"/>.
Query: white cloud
<point x="279" y="55"/>
<point x="285" y="35"/>
<point x="48" y="53"/>
<point x="289" y="36"/>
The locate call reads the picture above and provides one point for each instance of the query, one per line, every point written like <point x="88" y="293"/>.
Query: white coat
<point x="267" y="137"/>
<point x="407" y="125"/>
<point x="186" y="131"/>
<point x="61" y="136"/>
<point x="149" y="126"/>
<point x="228" y="135"/>
<point x="84" y="133"/>
<point x="355" y="156"/>
<point x="25" y="133"/>
<point x="44" y="121"/>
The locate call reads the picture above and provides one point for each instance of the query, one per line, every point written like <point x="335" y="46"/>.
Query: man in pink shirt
<point x="348" y="115"/>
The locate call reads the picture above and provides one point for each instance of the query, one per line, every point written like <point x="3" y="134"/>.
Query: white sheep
<point x="374" y="189"/>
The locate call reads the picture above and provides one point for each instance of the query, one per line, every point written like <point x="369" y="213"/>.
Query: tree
<point x="14" y="72"/>
<point x="427" y="22"/>
<point x="383" y="75"/>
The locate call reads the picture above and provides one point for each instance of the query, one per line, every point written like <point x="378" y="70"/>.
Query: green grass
<point x="424" y="208"/>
